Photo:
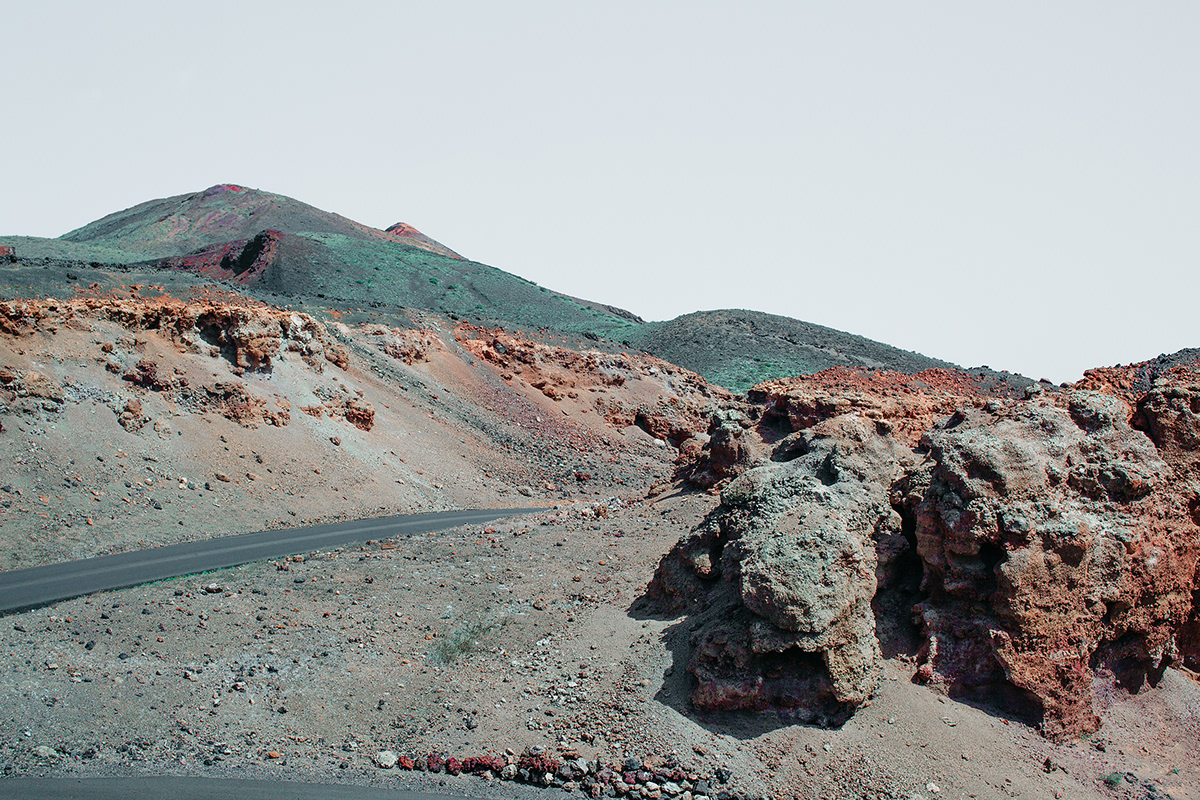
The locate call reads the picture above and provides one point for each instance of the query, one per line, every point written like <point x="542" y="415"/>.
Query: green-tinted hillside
<point x="175" y="226"/>
<point x="35" y="248"/>
<point x="738" y="348"/>
<point x="258" y="241"/>
<point x="359" y="273"/>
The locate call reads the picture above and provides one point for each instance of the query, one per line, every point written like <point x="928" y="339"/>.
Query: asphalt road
<point x="181" y="788"/>
<point x="38" y="586"/>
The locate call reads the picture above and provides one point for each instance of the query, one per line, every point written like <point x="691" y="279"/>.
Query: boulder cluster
<point x="1026" y="544"/>
<point x="652" y="778"/>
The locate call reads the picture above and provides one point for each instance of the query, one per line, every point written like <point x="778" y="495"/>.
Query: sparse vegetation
<point x="462" y="639"/>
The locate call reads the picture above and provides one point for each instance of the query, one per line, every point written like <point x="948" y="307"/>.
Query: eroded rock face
<point x="1056" y="537"/>
<point x="667" y="402"/>
<point x="902" y="405"/>
<point x="727" y="453"/>
<point x="249" y="334"/>
<point x="1052" y="543"/>
<point x="783" y="574"/>
<point x="409" y="346"/>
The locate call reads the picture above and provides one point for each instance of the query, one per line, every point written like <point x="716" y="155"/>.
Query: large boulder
<point x="1054" y="543"/>
<point x="781" y="577"/>
<point x="1040" y="540"/>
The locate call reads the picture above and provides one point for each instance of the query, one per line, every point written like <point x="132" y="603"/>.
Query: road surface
<point x="186" y="788"/>
<point x="38" y="586"/>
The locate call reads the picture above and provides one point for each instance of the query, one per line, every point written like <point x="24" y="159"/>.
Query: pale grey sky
<point x="1014" y="184"/>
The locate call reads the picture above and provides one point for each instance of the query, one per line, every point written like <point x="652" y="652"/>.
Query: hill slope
<point x="173" y="226"/>
<point x="737" y="348"/>
<point x="274" y="244"/>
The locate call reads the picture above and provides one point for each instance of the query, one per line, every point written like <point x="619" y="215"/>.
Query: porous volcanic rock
<point x="250" y="334"/>
<point x="667" y="402"/>
<point x="1055" y="533"/>
<point x="1052" y="543"/>
<point x="409" y="346"/>
<point x="781" y="577"/>
<point x="728" y="452"/>
<point x="900" y="404"/>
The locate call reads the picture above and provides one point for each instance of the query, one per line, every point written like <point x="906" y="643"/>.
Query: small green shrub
<point x="462" y="639"/>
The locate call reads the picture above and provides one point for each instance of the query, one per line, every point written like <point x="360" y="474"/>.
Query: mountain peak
<point x="226" y="213"/>
<point x="407" y="234"/>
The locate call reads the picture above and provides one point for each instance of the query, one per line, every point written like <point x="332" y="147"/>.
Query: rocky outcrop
<point x="667" y="402"/>
<point x="250" y="334"/>
<point x="728" y="452"/>
<point x="782" y="574"/>
<point x="1056" y="535"/>
<point x="240" y="261"/>
<point x="409" y="346"/>
<point x="29" y="392"/>
<point x="902" y="405"/>
<point x="1053" y="544"/>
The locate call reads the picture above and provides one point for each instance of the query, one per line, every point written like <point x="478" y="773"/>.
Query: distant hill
<point x="738" y="348"/>
<point x="174" y="226"/>
<point x="273" y="244"/>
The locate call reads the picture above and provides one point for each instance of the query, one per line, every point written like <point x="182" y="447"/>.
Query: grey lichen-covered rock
<point x="727" y="453"/>
<point x="782" y="575"/>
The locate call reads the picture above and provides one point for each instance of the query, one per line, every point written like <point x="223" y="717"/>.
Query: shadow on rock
<point x="776" y="586"/>
<point x="1015" y="552"/>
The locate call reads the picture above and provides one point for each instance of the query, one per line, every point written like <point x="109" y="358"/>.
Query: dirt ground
<point x="476" y="640"/>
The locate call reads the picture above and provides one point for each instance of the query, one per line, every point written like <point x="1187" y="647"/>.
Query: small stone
<point x="274" y="754"/>
<point x="213" y="588"/>
<point x="222" y="477"/>
<point x="386" y="759"/>
<point x="933" y="788"/>
<point x="42" y="751"/>
<point x="337" y="440"/>
<point x="671" y="788"/>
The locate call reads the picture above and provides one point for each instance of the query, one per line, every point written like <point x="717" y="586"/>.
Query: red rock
<point x="1056" y="537"/>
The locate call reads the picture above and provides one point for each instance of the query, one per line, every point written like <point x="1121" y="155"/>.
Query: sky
<point x="1012" y="184"/>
